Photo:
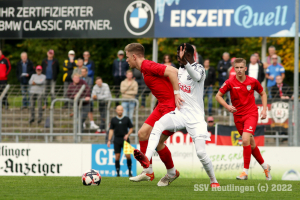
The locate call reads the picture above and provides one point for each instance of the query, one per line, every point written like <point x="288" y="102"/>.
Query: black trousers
<point x="2" y="86"/>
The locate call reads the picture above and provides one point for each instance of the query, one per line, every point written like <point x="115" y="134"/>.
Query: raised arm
<point x="195" y="71"/>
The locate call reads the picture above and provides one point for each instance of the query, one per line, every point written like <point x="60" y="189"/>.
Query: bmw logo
<point x="138" y="17"/>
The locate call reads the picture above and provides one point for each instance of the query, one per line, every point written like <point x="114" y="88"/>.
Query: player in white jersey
<point x="190" y="116"/>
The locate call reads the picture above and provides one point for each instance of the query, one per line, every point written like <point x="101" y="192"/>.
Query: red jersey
<point x="159" y="85"/>
<point x="242" y="94"/>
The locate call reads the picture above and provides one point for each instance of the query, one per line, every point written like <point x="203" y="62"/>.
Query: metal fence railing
<point x="61" y="120"/>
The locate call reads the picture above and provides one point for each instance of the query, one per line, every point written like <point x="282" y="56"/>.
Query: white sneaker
<point x="243" y="176"/>
<point x="142" y="177"/>
<point x="166" y="180"/>
<point x="84" y="126"/>
<point x="268" y="174"/>
<point x="94" y="126"/>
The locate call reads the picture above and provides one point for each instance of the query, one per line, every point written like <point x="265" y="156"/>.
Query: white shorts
<point x="176" y="120"/>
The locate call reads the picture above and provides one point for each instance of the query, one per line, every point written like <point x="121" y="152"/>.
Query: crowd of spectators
<point x="38" y="82"/>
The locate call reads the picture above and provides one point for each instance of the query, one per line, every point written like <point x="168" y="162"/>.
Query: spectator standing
<point x="88" y="80"/>
<point x="167" y="61"/>
<point x="69" y="66"/>
<point x="37" y="91"/>
<point x="50" y="67"/>
<point x="120" y="66"/>
<point x="255" y="70"/>
<point x="209" y="82"/>
<point x="74" y="88"/>
<point x="222" y="68"/>
<point x="79" y="67"/>
<point x="268" y="60"/>
<point x="197" y="57"/>
<point x="5" y="68"/>
<point x="143" y="90"/>
<point x="281" y="90"/>
<point x="272" y="71"/>
<point x="101" y="92"/>
<point x="24" y="71"/>
<point x="121" y="127"/>
<point x="87" y="62"/>
<point x="258" y="58"/>
<point x="231" y="72"/>
<point x="129" y="88"/>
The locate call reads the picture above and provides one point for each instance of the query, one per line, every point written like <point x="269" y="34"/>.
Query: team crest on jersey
<point x="248" y="87"/>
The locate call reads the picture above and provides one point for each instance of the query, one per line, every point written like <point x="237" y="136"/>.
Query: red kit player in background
<point x="245" y="112"/>
<point x="163" y="82"/>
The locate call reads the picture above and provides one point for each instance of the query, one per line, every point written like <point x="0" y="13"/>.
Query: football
<point x="91" y="177"/>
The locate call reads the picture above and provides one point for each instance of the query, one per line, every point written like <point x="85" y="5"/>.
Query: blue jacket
<point x="91" y="67"/>
<point x="116" y="67"/>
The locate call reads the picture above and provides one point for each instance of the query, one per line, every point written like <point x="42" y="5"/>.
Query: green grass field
<point x="120" y="188"/>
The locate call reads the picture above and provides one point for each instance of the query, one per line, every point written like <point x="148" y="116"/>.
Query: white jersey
<point x="191" y="91"/>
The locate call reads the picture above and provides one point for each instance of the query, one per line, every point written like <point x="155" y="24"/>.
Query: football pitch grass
<point x="29" y="187"/>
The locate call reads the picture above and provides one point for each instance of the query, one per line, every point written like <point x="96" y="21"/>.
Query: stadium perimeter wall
<point x="74" y="159"/>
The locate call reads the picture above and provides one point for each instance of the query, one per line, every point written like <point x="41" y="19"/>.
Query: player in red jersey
<point x="163" y="82"/>
<point x="245" y="112"/>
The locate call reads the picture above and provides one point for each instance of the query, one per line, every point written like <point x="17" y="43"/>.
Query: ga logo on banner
<point x="103" y="160"/>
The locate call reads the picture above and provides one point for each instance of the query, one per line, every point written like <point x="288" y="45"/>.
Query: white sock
<point x="246" y="171"/>
<point x="92" y="122"/>
<point x="264" y="166"/>
<point x="149" y="170"/>
<point x="171" y="172"/>
<point x="205" y="160"/>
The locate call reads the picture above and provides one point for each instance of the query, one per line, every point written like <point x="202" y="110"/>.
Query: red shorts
<point x="157" y="113"/>
<point x="246" y="123"/>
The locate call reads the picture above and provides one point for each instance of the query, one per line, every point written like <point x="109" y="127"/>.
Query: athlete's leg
<point x="164" y="123"/>
<point x="165" y="155"/>
<point x="199" y="135"/>
<point x="247" y="151"/>
<point x="117" y="163"/>
<point x="129" y="163"/>
<point x="256" y="153"/>
<point x="143" y="135"/>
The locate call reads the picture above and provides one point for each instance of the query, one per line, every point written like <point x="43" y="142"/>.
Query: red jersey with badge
<point x="242" y="94"/>
<point x="159" y="85"/>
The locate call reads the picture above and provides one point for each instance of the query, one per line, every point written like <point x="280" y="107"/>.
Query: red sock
<point x="247" y="156"/>
<point x="166" y="157"/>
<point x="257" y="155"/>
<point x="143" y="147"/>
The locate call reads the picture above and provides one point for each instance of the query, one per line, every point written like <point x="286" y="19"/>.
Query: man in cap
<point x="120" y="66"/>
<point x="37" y="90"/>
<point x="50" y="67"/>
<point x="69" y="66"/>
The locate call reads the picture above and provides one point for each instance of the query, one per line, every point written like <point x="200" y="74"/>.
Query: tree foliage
<point x="104" y="51"/>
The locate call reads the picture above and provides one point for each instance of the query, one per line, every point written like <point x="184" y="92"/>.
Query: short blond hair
<point x="75" y="74"/>
<point x="135" y="48"/>
<point x="239" y="60"/>
<point x="129" y="71"/>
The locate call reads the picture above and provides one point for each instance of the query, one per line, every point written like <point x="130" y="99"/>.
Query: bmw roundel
<point x="138" y="17"/>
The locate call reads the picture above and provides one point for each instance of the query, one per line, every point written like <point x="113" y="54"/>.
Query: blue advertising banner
<point x="103" y="160"/>
<point x="219" y="18"/>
